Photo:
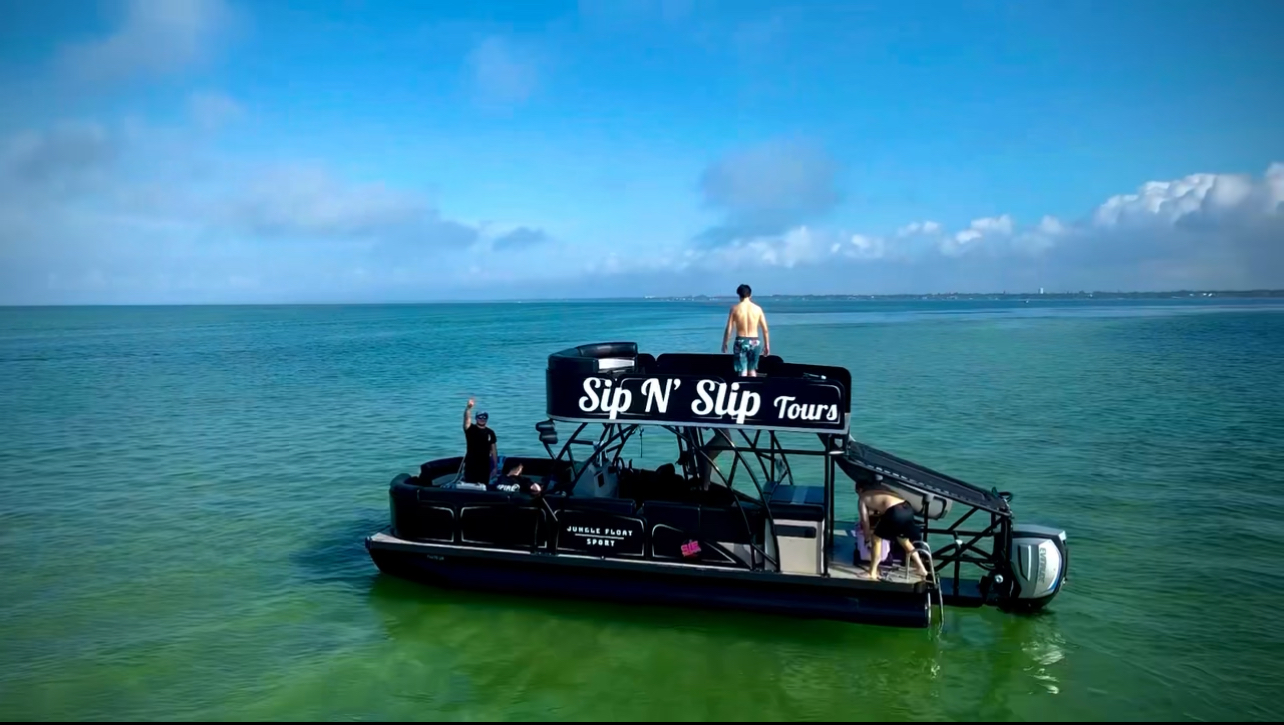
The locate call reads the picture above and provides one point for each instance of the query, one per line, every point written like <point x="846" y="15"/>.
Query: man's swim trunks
<point x="897" y="522"/>
<point x="746" y="351"/>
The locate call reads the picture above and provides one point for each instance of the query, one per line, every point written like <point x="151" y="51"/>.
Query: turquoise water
<point x="184" y="491"/>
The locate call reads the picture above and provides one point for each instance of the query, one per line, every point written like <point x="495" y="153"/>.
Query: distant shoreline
<point x="1096" y="296"/>
<point x="997" y="296"/>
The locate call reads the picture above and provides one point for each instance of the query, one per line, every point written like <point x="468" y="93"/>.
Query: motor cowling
<point x="1039" y="560"/>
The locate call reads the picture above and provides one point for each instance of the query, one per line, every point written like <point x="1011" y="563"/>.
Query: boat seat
<point x="696" y="364"/>
<point x="424" y="522"/>
<point x="607" y="364"/>
<point x="800" y="503"/>
<point x="936" y="506"/>
<point x="465" y="496"/>
<point x="508" y="526"/>
<point x="720" y="531"/>
<point x="594" y="358"/>
<point x="434" y="473"/>
<point x="664" y="484"/>
<point x="617" y="506"/>
<point x="416" y="520"/>
<point x="596" y="482"/>
<point x="708" y="523"/>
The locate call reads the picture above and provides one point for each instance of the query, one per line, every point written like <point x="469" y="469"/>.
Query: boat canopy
<point x="612" y="383"/>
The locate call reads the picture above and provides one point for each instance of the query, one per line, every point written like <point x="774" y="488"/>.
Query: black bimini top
<point x="611" y="382"/>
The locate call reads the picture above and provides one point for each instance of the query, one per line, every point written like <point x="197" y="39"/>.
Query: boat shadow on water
<point x="490" y="642"/>
<point x="396" y="598"/>
<point x="493" y="642"/>
<point x="336" y="555"/>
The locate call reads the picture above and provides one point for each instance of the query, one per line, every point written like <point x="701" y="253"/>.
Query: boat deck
<point x="843" y="565"/>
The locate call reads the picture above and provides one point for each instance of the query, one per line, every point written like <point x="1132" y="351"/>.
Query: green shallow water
<point x="184" y="493"/>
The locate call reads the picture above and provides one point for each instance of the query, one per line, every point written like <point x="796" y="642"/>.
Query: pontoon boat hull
<point x="607" y="580"/>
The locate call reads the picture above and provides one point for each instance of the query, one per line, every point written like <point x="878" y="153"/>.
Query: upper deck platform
<point x="611" y="382"/>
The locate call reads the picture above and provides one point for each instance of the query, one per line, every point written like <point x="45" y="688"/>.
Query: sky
<point x="223" y="151"/>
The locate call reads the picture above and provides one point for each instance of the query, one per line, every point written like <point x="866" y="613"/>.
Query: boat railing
<point x="726" y="481"/>
<point x="607" y="453"/>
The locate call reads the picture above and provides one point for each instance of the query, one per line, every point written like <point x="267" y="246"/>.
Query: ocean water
<point x="184" y="493"/>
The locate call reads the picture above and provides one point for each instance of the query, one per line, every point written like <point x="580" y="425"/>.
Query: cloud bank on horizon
<point x="211" y="151"/>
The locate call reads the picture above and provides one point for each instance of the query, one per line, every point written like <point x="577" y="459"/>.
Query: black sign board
<point x="812" y="405"/>
<point x="594" y="532"/>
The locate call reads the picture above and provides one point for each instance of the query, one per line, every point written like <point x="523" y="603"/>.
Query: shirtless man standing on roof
<point x="744" y="319"/>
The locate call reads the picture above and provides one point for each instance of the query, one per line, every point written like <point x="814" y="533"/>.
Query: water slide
<point x="919" y="485"/>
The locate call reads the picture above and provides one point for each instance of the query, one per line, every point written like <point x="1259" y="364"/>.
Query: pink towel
<point x="863" y="551"/>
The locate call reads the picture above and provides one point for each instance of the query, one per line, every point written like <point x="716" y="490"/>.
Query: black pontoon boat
<point x="752" y="536"/>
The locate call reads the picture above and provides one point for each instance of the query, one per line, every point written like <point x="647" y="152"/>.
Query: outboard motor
<point x="1040" y="561"/>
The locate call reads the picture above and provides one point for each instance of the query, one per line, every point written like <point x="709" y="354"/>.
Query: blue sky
<point x="223" y="151"/>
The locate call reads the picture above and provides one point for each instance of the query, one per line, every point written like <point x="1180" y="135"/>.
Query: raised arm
<point x="468" y="414"/>
<point x="726" y="334"/>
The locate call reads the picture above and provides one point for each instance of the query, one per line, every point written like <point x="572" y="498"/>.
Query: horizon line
<point x="846" y="296"/>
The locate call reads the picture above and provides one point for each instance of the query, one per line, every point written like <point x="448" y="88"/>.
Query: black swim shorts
<point x="897" y="522"/>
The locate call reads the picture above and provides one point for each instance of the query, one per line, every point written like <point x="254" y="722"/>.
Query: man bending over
<point x="744" y="320"/>
<point x="895" y="522"/>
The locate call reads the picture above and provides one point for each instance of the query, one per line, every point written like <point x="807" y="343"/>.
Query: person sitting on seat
<point x="895" y="522"/>
<point x="513" y="480"/>
<point x="668" y="485"/>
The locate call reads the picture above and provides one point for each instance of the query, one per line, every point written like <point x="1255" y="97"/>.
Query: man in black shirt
<point x="515" y="481"/>
<point x="480" y="454"/>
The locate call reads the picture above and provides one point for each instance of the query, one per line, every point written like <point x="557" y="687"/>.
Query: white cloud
<point x="96" y="213"/>
<point x="503" y="71"/>
<point x="64" y="159"/>
<point x="798" y="246"/>
<point x="1207" y="230"/>
<point x="965" y="241"/>
<point x="521" y="237"/>
<point x="307" y="201"/>
<point x="133" y="211"/>
<point x="1218" y="229"/>
<point x="859" y="246"/>
<point x="211" y="110"/>
<point x="924" y="227"/>
<point x="768" y="189"/>
<point x="1197" y="200"/>
<point x="156" y="37"/>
